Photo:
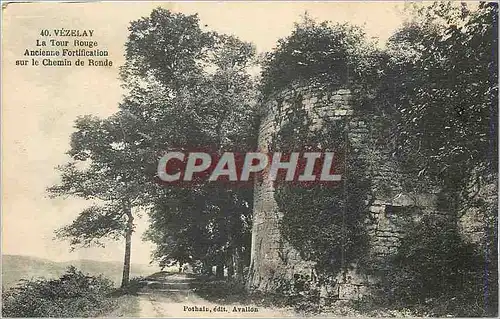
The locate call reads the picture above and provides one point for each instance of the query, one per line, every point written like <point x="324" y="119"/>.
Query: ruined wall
<point x="271" y="256"/>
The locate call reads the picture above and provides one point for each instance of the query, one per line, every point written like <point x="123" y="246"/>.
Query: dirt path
<point x="171" y="296"/>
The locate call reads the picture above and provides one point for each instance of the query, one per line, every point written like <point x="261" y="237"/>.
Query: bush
<point x="438" y="274"/>
<point x="220" y="290"/>
<point x="74" y="294"/>
<point x="300" y="292"/>
<point x="133" y="287"/>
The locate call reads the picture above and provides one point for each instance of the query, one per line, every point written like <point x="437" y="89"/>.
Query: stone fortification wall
<point x="272" y="257"/>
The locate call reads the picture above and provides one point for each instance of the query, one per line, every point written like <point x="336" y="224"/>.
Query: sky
<point x="40" y="104"/>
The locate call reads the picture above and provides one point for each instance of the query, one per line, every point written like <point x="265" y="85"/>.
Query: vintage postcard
<point x="249" y="159"/>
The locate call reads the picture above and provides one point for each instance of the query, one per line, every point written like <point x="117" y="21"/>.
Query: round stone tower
<point x="272" y="258"/>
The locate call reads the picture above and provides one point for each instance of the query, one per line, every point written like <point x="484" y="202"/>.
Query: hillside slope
<point x="16" y="267"/>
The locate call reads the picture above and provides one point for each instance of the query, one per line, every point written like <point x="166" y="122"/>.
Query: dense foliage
<point x="191" y="91"/>
<point x="439" y="90"/>
<point x="74" y="294"/>
<point x="313" y="53"/>
<point x="436" y="272"/>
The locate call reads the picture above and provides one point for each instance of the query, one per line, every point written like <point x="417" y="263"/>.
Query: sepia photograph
<point x="249" y="159"/>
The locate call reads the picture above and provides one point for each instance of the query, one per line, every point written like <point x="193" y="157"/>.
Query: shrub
<point x="300" y="292"/>
<point x="438" y="274"/>
<point x="133" y="287"/>
<point x="74" y="294"/>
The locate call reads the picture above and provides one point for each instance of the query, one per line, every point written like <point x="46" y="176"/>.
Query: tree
<point x="191" y="90"/>
<point x="220" y="120"/>
<point x="324" y="222"/>
<point x="437" y="90"/>
<point x="104" y="168"/>
<point x="313" y="53"/>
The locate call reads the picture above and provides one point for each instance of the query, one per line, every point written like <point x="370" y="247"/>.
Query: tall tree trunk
<point x="128" y="243"/>
<point x="219" y="270"/>
<point x="230" y="263"/>
<point x="240" y="263"/>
